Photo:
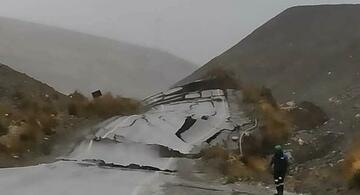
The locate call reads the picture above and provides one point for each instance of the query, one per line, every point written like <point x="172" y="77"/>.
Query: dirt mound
<point x="307" y="115"/>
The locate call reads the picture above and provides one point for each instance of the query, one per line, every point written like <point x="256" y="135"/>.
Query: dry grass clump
<point x="4" y="109"/>
<point x="44" y="122"/>
<point x="20" y="138"/>
<point x="352" y="166"/>
<point x="78" y="104"/>
<point x="354" y="182"/>
<point x="225" y="79"/>
<point x="27" y="134"/>
<point x="24" y="125"/>
<point x="3" y="128"/>
<point x="4" y="122"/>
<point x="108" y="106"/>
<point x="215" y="152"/>
<point x="275" y="125"/>
<point x="232" y="166"/>
<point x="105" y="106"/>
<point x="255" y="95"/>
<point x="73" y="109"/>
<point x="31" y="117"/>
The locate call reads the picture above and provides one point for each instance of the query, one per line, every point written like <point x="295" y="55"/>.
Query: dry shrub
<point x="254" y="95"/>
<point x="275" y="125"/>
<point x="20" y="138"/>
<point x="78" y="105"/>
<point x="352" y="166"/>
<point x="251" y="94"/>
<point x="108" y="106"/>
<point x="26" y="123"/>
<point x="105" y="106"/>
<point x="226" y="79"/>
<point x="5" y="109"/>
<point x="28" y="133"/>
<point x="10" y="141"/>
<point x="256" y="163"/>
<point x="73" y="109"/>
<point x="355" y="180"/>
<point x="78" y="97"/>
<point x="49" y="109"/>
<point x="28" y="104"/>
<point x="44" y="122"/>
<point x="39" y="114"/>
<point x="3" y="128"/>
<point x="235" y="171"/>
<point x="215" y="152"/>
<point x="232" y="166"/>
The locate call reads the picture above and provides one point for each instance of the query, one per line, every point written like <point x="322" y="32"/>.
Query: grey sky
<point x="196" y="30"/>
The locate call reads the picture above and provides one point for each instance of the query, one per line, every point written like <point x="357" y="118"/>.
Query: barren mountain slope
<point x="305" y="53"/>
<point x="70" y="60"/>
<point x="14" y="84"/>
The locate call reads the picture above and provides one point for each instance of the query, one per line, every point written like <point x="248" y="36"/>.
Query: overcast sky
<point x="196" y="30"/>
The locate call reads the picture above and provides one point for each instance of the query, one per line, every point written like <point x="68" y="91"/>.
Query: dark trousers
<point x="279" y="183"/>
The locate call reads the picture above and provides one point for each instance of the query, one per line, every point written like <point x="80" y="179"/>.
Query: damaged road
<point x="140" y="154"/>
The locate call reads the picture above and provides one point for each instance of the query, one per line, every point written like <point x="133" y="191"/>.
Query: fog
<point x="196" y="30"/>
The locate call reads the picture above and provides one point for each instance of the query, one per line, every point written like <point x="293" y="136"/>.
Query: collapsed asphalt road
<point x="138" y="155"/>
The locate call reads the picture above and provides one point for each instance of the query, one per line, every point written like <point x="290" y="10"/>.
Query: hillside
<point x="70" y="60"/>
<point x="15" y="85"/>
<point x="305" y="53"/>
<point x="308" y="56"/>
<point x="29" y="113"/>
<point x="38" y="124"/>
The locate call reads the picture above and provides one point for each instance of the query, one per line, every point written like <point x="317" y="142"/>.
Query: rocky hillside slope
<point x="38" y="124"/>
<point x="305" y="53"/>
<point x="69" y="60"/>
<point x="15" y="85"/>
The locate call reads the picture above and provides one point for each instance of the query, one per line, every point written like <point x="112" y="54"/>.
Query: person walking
<point x="279" y="164"/>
